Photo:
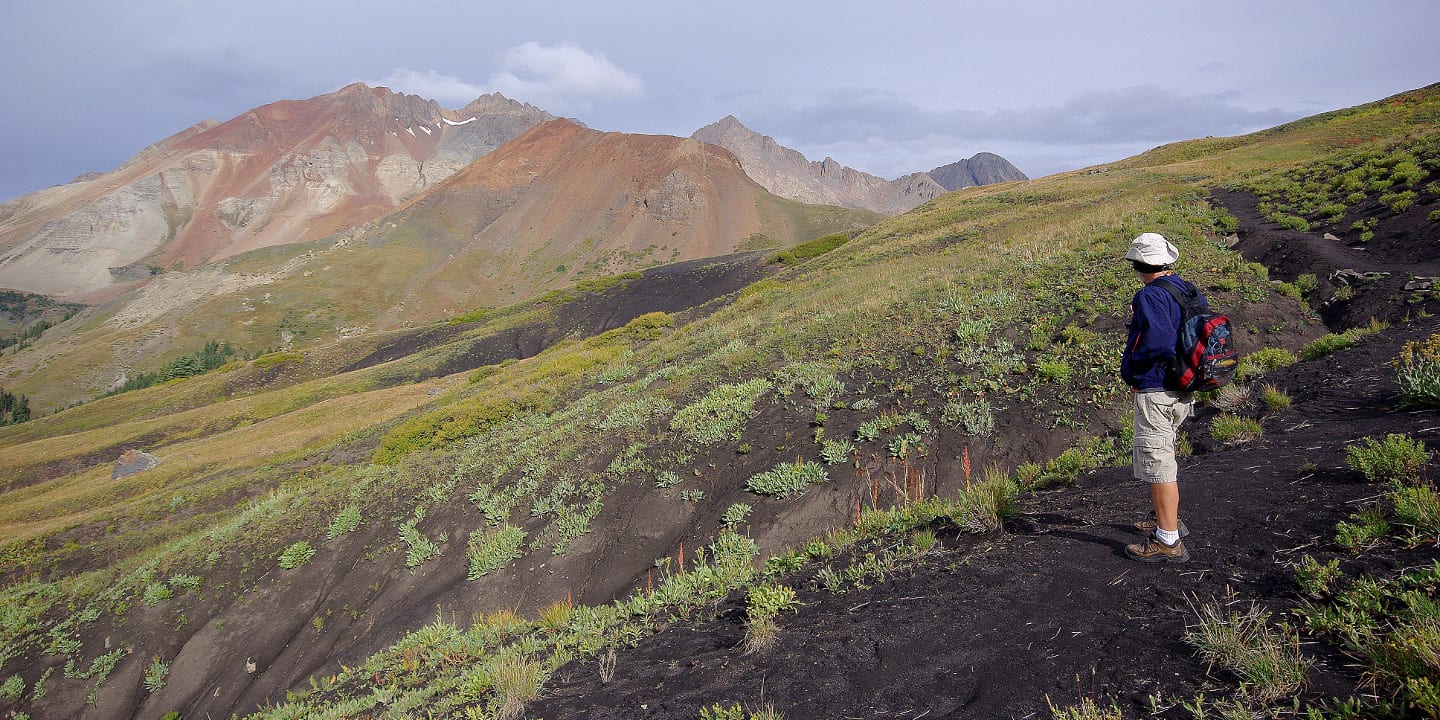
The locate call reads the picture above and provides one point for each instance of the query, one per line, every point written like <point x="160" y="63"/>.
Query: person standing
<point x="1149" y="355"/>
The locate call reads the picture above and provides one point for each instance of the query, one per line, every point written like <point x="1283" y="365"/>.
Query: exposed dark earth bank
<point x="1050" y="610"/>
<point x="674" y="288"/>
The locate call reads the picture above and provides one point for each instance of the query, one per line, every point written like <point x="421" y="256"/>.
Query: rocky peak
<point x="981" y="169"/>
<point x="789" y="174"/>
<point x="497" y="105"/>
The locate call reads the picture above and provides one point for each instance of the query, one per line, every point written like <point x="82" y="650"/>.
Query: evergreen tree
<point x="14" y="409"/>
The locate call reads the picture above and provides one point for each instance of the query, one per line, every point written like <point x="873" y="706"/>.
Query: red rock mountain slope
<point x="566" y="201"/>
<point x="290" y="171"/>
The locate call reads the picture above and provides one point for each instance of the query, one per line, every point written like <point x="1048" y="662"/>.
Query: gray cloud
<point x="893" y="135"/>
<point x="562" y="78"/>
<point x="1141" y="113"/>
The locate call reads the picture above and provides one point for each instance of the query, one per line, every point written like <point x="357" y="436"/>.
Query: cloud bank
<point x="893" y="135"/>
<point x="562" y="79"/>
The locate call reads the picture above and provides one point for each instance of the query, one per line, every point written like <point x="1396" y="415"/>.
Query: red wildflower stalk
<point x="965" y="465"/>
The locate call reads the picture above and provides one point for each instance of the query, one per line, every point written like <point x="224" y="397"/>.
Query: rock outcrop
<point x="132" y="462"/>
<point x="981" y="169"/>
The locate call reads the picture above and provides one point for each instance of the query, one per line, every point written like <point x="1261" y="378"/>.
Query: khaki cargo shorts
<point x="1157" y="421"/>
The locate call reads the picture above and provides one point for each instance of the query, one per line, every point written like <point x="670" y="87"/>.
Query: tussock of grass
<point x="1086" y="709"/>
<point x="1265" y="657"/>
<point x="1335" y="342"/>
<point x="1275" y="399"/>
<point x="1231" y="429"/>
<point x="1255" y="364"/>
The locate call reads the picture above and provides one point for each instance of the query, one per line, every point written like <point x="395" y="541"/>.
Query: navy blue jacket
<point x="1154" y="332"/>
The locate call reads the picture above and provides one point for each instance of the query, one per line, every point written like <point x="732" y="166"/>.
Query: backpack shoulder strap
<point x="1183" y="297"/>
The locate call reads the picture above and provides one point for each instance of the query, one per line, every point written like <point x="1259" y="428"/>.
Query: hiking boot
<point x="1152" y="550"/>
<point x="1150" y="526"/>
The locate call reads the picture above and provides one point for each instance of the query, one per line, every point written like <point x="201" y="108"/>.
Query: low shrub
<point x="736" y="712"/>
<point x="1418" y="508"/>
<point x="452" y="423"/>
<point x="470" y="317"/>
<point x="156" y="593"/>
<point x="976" y="418"/>
<point x="769" y="601"/>
<point x="1364" y="529"/>
<point x="296" y="555"/>
<point x="490" y="551"/>
<point x="1062" y="470"/>
<point x="722" y="413"/>
<point x="1293" y="222"/>
<point x="1396" y="459"/>
<point x="1086" y="709"/>
<point x="1390" y="627"/>
<point x="735" y="514"/>
<point x="809" y="249"/>
<point x="155" y="675"/>
<point x="836" y="451"/>
<point x="277" y="358"/>
<point x="787" y="479"/>
<point x="1053" y="371"/>
<point x="1316" y="579"/>
<point x="761" y="607"/>
<point x="1417" y="373"/>
<point x="345" y="521"/>
<point x="12" y="688"/>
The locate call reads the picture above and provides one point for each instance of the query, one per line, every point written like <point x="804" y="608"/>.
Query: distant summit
<point x="789" y="174"/>
<point x="982" y="169"/>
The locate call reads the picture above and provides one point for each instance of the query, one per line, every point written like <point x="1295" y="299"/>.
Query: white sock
<point x="1169" y="537"/>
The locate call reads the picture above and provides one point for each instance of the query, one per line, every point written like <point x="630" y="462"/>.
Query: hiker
<point x="1149" y="352"/>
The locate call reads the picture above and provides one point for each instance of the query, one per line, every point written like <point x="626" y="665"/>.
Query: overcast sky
<point x="886" y="87"/>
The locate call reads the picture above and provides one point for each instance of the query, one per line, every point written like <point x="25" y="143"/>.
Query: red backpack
<point x="1205" y="355"/>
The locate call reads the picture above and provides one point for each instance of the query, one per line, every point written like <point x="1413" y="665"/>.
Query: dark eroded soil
<point x="992" y="626"/>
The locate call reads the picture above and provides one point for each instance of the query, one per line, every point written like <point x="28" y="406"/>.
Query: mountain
<point x="288" y="172"/>
<point x="981" y="169"/>
<point x="558" y="204"/>
<point x="563" y="202"/>
<point x="789" y="174"/>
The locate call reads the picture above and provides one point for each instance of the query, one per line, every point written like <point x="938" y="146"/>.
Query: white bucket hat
<point x="1152" y="249"/>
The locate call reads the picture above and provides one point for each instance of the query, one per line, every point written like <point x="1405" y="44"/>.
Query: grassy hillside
<point x="411" y="268"/>
<point x="445" y="544"/>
